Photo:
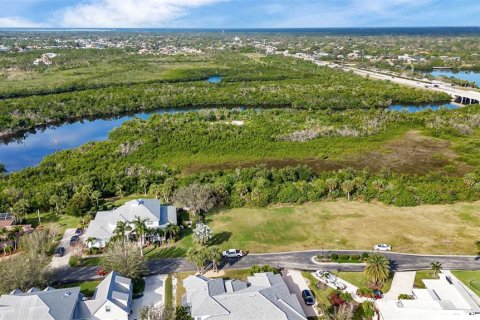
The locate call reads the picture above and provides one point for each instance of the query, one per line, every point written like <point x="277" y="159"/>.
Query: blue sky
<point x="238" y="13"/>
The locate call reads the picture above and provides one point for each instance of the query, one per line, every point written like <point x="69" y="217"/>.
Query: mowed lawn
<point x="438" y="229"/>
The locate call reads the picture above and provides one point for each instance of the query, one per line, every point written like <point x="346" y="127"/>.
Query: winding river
<point x="30" y="149"/>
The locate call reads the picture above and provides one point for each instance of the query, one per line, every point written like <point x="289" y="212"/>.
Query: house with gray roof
<point x="103" y="226"/>
<point x="264" y="296"/>
<point x="112" y="300"/>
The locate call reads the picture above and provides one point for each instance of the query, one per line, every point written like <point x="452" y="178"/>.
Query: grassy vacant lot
<point x="470" y="278"/>
<point x="435" y="229"/>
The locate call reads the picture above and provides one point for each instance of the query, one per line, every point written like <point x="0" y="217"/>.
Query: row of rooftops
<point x="264" y="296"/>
<point x="66" y="303"/>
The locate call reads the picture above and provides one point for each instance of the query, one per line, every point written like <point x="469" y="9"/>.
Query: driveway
<point x="296" y="284"/>
<point x="402" y="283"/>
<point x="62" y="262"/>
<point x="152" y="296"/>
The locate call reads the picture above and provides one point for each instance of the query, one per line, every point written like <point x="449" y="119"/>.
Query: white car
<point x="233" y="253"/>
<point x="382" y="247"/>
<point x="326" y="276"/>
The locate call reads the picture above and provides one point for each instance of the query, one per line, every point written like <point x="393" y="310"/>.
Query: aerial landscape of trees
<point x="272" y="82"/>
<point x="200" y="160"/>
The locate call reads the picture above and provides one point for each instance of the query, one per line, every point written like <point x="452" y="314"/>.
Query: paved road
<point x="439" y="86"/>
<point x="301" y="260"/>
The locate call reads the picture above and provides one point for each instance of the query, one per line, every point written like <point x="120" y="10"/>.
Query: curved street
<point x="301" y="260"/>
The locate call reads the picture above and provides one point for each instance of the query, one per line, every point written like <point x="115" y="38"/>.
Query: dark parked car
<point x="308" y="297"/>
<point x="59" y="252"/>
<point x="74" y="241"/>
<point x="79" y="232"/>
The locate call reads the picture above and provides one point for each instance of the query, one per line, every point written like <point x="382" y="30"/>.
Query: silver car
<point x="382" y="247"/>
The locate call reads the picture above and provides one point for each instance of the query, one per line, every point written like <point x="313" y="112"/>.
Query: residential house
<point x="102" y="228"/>
<point x="112" y="300"/>
<point x="445" y="298"/>
<point x="265" y="296"/>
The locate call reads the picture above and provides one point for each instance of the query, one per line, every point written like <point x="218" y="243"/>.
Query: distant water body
<point x="435" y="31"/>
<point x="473" y="76"/>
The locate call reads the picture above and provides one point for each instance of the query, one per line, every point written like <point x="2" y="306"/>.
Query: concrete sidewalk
<point x="402" y="283"/>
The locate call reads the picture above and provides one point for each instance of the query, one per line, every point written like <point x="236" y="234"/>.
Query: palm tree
<point x="331" y="184"/>
<point x="140" y="228"/>
<point x="377" y="269"/>
<point x="197" y="256"/>
<point x="90" y="240"/>
<point x="3" y="236"/>
<point x="171" y="231"/>
<point x="158" y="232"/>
<point x="347" y="187"/>
<point x="202" y="233"/>
<point x="215" y="255"/>
<point x="121" y="230"/>
<point x="436" y="267"/>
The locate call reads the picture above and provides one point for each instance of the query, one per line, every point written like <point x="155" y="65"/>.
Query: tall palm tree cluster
<point x="202" y="253"/>
<point x="139" y="228"/>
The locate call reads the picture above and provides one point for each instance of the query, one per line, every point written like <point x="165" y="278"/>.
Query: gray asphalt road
<point x="301" y="260"/>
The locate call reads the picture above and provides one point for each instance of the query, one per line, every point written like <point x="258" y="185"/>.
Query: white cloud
<point x="18" y="22"/>
<point x="127" y="13"/>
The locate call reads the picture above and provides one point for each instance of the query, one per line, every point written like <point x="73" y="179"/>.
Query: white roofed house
<point x="102" y="228"/>
<point x="264" y="297"/>
<point x="112" y="300"/>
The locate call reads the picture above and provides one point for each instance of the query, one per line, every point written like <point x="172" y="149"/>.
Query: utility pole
<point x="39" y="221"/>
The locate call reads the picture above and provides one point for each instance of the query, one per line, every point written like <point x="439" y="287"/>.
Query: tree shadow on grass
<point x="165" y="253"/>
<point x="219" y="238"/>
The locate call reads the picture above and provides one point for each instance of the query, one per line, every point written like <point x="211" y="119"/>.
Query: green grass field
<point x="435" y="229"/>
<point x="470" y="278"/>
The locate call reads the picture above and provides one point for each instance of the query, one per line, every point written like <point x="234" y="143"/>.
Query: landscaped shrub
<point x="355" y="257"/>
<point x="334" y="256"/>
<point x="264" y="268"/>
<point x="338" y="298"/>
<point x="344" y="257"/>
<point x="73" y="261"/>
<point x="364" y="256"/>
<point x="365" y="292"/>
<point x="138" y="287"/>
